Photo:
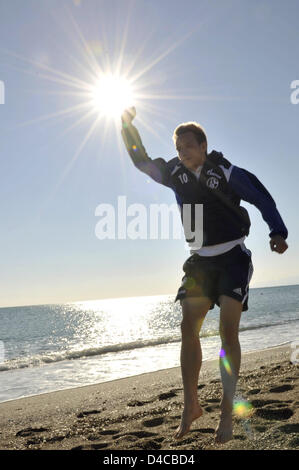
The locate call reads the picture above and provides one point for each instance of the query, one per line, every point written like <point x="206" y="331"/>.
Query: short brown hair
<point x="191" y="126"/>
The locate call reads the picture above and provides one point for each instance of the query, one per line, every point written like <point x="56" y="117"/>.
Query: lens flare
<point x="225" y="361"/>
<point x="243" y="409"/>
<point x="189" y="282"/>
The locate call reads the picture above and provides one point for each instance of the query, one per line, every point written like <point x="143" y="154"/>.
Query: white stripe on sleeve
<point x="227" y="171"/>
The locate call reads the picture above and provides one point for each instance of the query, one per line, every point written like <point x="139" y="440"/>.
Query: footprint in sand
<point x="141" y="434"/>
<point x="56" y="438"/>
<point x="289" y="428"/>
<point x="274" y="413"/>
<point x="86" y="413"/>
<point x="150" y="445"/>
<point x="260" y="428"/>
<point x="165" y="396"/>
<point x="126" y="439"/>
<point x="262" y="403"/>
<point x="275" y="368"/>
<point x="281" y="388"/>
<point x="131" y="436"/>
<point x="254" y="391"/>
<point x="204" y="430"/>
<point x="210" y="409"/>
<point x="36" y="441"/>
<point x="151" y="423"/>
<point x="137" y="403"/>
<point x="30" y="431"/>
<point x="109" y="432"/>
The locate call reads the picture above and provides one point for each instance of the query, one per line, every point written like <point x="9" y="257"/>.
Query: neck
<point x="200" y="163"/>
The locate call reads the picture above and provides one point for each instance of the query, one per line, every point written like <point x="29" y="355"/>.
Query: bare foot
<point x="188" y="416"/>
<point x="224" y="431"/>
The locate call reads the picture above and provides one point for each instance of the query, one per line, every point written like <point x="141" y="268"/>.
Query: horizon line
<point x="126" y="297"/>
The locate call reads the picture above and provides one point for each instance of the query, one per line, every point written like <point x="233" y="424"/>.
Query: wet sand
<point x="142" y="412"/>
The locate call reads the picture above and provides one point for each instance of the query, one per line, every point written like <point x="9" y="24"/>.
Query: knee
<point x="191" y="325"/>
<point x="194" y="311"/>
<point x="229" y="340"/>
<point x="229" y="335"/>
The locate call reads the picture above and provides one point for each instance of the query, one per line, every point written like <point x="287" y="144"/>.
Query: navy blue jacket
<point x="220" y="188"/>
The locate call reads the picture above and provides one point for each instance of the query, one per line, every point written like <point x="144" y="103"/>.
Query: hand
<point x="278" y="243"/>
<point x="128" y="115"/>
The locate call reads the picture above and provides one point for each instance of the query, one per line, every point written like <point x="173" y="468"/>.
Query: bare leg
<point x="229" y="361"/>
<point x="194" y="312"/>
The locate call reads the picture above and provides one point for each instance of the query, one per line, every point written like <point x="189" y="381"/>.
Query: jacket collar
<point x="208" y="163"/>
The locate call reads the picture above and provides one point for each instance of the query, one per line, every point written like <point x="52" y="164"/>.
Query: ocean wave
<point x="57" y="356"/>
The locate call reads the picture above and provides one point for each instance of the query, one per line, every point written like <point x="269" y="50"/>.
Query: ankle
<point x="191" y="404"/>
<point x="226" y="403"/>
<point x="226" y="410"/>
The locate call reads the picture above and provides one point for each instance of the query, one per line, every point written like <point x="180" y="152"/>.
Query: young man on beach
<point x="219" y="268"/>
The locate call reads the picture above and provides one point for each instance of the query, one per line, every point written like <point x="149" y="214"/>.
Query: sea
<point x="45" y="348"/>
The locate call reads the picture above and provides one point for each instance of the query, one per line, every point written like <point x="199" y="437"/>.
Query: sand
<point x="142" y="412"/>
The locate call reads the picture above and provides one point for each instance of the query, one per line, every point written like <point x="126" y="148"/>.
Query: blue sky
<point x="227" y="64"/>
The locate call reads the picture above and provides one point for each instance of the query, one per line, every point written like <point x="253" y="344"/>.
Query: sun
<point x="111" y="95"/>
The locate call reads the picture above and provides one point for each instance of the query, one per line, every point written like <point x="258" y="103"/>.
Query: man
<point x="219" y="268"/>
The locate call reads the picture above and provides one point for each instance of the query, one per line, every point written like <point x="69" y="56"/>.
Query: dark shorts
<point x="211" y="276"/>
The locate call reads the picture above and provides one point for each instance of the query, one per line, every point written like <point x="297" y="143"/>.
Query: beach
<point x="143" y="411"/>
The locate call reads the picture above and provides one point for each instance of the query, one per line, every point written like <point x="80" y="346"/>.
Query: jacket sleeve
<point x="157" y="169"/>
<point x="248" y="187"/>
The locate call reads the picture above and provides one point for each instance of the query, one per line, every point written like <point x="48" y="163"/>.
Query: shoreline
<point x="205" y="361"/>
<point x="141" y="412"/>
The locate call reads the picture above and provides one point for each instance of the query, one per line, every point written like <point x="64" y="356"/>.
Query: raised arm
<point x="157" y="169"/>
<point x="248" y="187"/>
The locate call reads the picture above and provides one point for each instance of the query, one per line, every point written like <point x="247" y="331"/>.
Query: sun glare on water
<point x="111" y="95"/>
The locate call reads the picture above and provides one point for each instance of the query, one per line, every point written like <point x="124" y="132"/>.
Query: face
<point x="190" y="152"/>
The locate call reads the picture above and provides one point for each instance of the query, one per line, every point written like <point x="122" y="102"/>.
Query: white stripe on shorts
<point x="250" y="272"/>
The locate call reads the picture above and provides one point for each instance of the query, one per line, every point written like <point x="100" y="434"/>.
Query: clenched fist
<point x="128" y="115"/>
<point x="278" y="243"/>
